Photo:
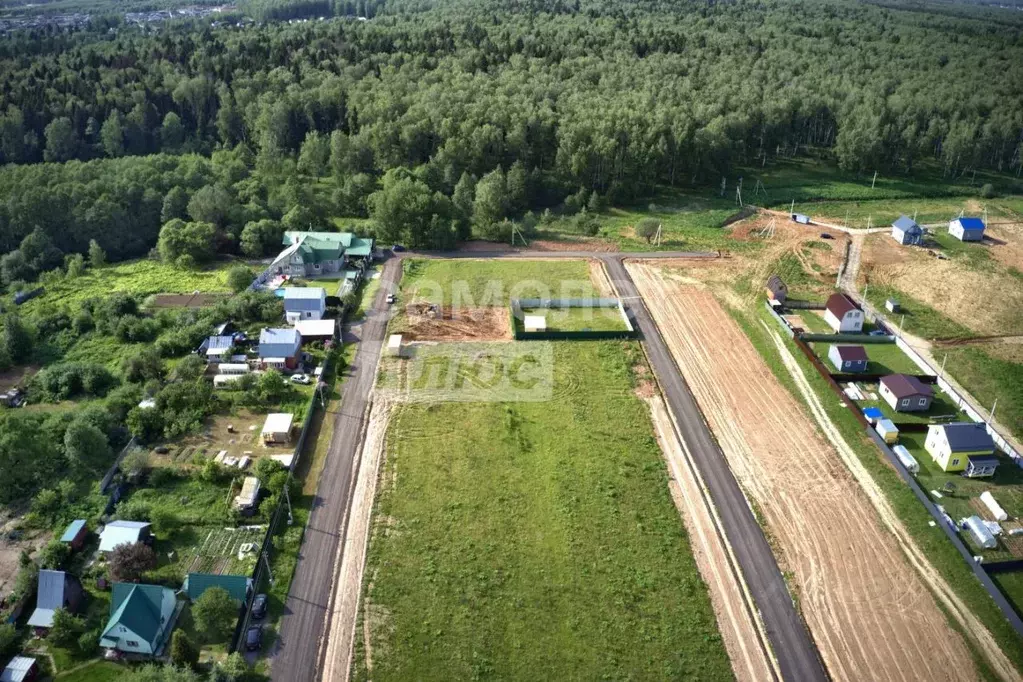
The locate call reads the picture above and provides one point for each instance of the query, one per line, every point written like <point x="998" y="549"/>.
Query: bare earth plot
<point x="868" y="611"/>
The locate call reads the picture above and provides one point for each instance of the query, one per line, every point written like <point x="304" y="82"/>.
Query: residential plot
<point x="865" y="606"/>
<point x="514" y="537"/>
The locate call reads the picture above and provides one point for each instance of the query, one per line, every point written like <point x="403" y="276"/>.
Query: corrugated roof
<point x="196" y="583"/>
<point x="905" y="385"/>
<point x="360" y="247"/>
<point x="50" y="597"/>
<point x="71" y="532"/>
<point x="906" y="224"/>
<point x="138" y="608"/>
<point x="310" y="328"/>
<point x="971" y="223"/>
<point x="120" y="533"/>
<point x="219" y="342"/>
<point x="967" y="437"/>
<point x="304" y="293"/>
<point x="851" y="353"/>
<point x="279" y="336"/>
<point x="278" y="422"/>
<point x="17" y="669"/>
<point x="839" y="305"/>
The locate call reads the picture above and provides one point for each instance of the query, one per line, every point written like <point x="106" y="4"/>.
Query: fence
<point x="105" y="483"/>
<point x="263" y="558"/>
<point x="849" y="338"/>
<point x="520" y="334"/>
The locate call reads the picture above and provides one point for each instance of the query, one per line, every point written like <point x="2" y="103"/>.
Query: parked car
<point x="301" y="379"/>
<point x="826" y="235"/>
<point x="259" y="606"/>
<point x="254" y="638"/>
<point x="391" y="298"/>
<point x="397" y="248"/>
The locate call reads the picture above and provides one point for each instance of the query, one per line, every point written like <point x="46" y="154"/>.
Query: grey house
<point x="848" y="358"/>
<point x="906" y="393"/>
<point x="57" y="590"/>
<point x="280" y="348"/>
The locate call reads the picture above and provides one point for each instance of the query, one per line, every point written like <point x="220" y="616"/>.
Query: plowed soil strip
<point x="869" y="612"/>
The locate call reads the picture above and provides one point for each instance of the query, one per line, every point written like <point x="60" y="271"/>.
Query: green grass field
<point x="467" y="283"/>
<point x="96" y="671"/>
<point x="527" y="539"/>
<point x="941" y="408"/>
<point x="989" y="378"/>
<point x="140" y="277"/>
<point x="917" y="318"/>
<point x="883" y="358"/>
<point x="580" y="319"/>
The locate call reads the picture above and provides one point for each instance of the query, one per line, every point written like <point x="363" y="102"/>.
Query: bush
<point x="72" y="379"/>
<point x="66" y="629"/>
<point x="183" y="652"/>
<point x="215" y="614"/>
<point x="647" y="228"/>
<point x="88" y="643"/>
<point x="239" y="278"/>
<point x="128" y="563"/>
<point x="8" y="640"/>
<point x="988" y="191"/>
<point x="54" y="554"/>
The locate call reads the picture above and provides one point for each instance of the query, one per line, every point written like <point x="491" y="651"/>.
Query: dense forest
<point x="526" y="103"/>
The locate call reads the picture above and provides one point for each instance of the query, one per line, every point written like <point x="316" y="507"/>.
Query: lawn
<point x="1011" y="585"/>
<point x="140" y="278"/>
<point x="555" y="547"/>
<point x="469" y="283"/>
<point x="942" y="408"/>
<point x="883" y="358"/>
<point x="97" y="671"/>
<point x="992" y="373"/>
<point x="580" y="319"/>
<point x="917" y="318"/>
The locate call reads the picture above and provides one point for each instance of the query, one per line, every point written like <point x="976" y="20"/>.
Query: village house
<point x="57" y="590"/>
<point x="776" y="289"/>
<point x="848" y="359"/>
<point x="75" y="534"/>
<point x="906" y="231"/>
<point x="962" y="446"/>
<point x="316" y="253"/>
<point x="280" y="348"/>
<point x="118" y="533"/>
<point x="906" y="393"/>
<point x="141" y="619"/>
<point x="967" y="229"/>
<point x="304" y="303"/>
<point x="842" y="315"/>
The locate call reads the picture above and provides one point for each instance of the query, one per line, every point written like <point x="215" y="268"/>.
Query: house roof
<point x="971" y="223"/>
<point x="360" y="247"/>
<point x="120" y="533"/>
<point x="905" y="386"/>
<point x="906" y="224"/>
<point x="967" y="437"/>
<point x="72" y="531"/>
<point x="279" y="335"/>
<point x="315" y="327"/>
<point x="887" y="426"/>
<point x="983" y="460"/>
<point x="873" y="413"/>
<point x="278" y="422"/>
<point x="775" y="282"/>
<point x="138" y="608"/>
<point x="839" y="305"/>
<point x="196" y="583"/>
<point x="852" y="353"/>
<point x="50" y="598"/>
<point x="304" y="293"/>
<point x="17" y="669"/>
<point x="225" y="341"/>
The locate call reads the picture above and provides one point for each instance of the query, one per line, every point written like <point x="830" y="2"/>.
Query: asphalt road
<point x="297" y="655"/>
<point x="796" y="653"/>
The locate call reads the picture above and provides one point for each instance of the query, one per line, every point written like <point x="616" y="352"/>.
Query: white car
<point x="391" y="298"/>
<point x="300" y="379"/>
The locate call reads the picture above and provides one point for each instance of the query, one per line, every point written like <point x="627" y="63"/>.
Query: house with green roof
<point x="141" y="619"/>
<point x="235" y="585"/>
<point x="318" y="253"/>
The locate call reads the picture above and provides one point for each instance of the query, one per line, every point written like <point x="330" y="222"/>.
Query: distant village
<point x="79" y="19"/>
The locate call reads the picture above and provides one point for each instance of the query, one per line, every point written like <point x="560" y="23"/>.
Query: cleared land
<point x="865" y="606"/>
<point x="492" y="282"/>
<point x="580" y="319"/>
<point x="512" y="538"/>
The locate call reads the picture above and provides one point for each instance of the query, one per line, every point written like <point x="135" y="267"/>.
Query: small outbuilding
<point x="247" y="499"/>
<point x="57" y="590"/>
<point x="906" y="393"/>
<point x="277" y="428"/>
<point x="967" y="229"/>
<point x="534" y="323"/>
<point x="887" y="430"/>
<point x="776" y="289"/>
<point x="217" y="348"/>
<point x="20" y="669"/>
<point x="394" y="345"/>
<point x="892" y="306"/>
<point x="75" y="534"/>
<point x="850" y="359"/>
<point x="118" y="533"/>
<point x="906" y="231"/>
<point x="873" y="414"/>
<point x="316" y="330"/>
<point x="842" y="315"/>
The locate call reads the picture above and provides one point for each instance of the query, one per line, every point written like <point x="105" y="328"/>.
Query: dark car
<point x="254" y="638"/>
<point x="397" y="248"/>
<point x="826" y="235"/>
<point x="259" y="606"/>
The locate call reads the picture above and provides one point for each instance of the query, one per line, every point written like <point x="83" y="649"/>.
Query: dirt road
<point x="867" y="609"/>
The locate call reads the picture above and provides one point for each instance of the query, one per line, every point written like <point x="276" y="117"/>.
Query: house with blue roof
<point x="304" y="303"/>
<point x="967" y="229"/>
<point x="962" y="446"/>
<point x="906" y="231"/>
<point x="280" y="348"/>
<point x="75" y="534"/>
<point x="56" y="590"/>
<point x="141" y="619"/>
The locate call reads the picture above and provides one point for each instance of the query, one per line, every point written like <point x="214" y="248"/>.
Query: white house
<point x="906" y="231"/>
<point x="118" y="533"/>
<point x="842" y="315"/>
<point x="967" y="229"/>
<point x="304" y="303"/>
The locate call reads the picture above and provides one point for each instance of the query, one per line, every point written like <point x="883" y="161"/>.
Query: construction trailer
<point x="888" y="431"/>
<point x="394" y="345"/>
<point x="534" y="323"/>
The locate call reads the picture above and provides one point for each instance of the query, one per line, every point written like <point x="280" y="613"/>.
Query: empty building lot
<point x="869" y="612"/>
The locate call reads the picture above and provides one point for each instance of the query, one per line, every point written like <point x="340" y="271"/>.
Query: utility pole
<point x="266" y="562"/>
<point x="724" y="183"/>
<point x="657" y="237"/>
<point x="941" y="372"/>
<point x="915" y="211"/>
<point x="738" y="193"/>
<point x="792" y="208"/>
<point x="874" y="180"/>
<point x="991" y="418"/>
<point x="287" y="498"/>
